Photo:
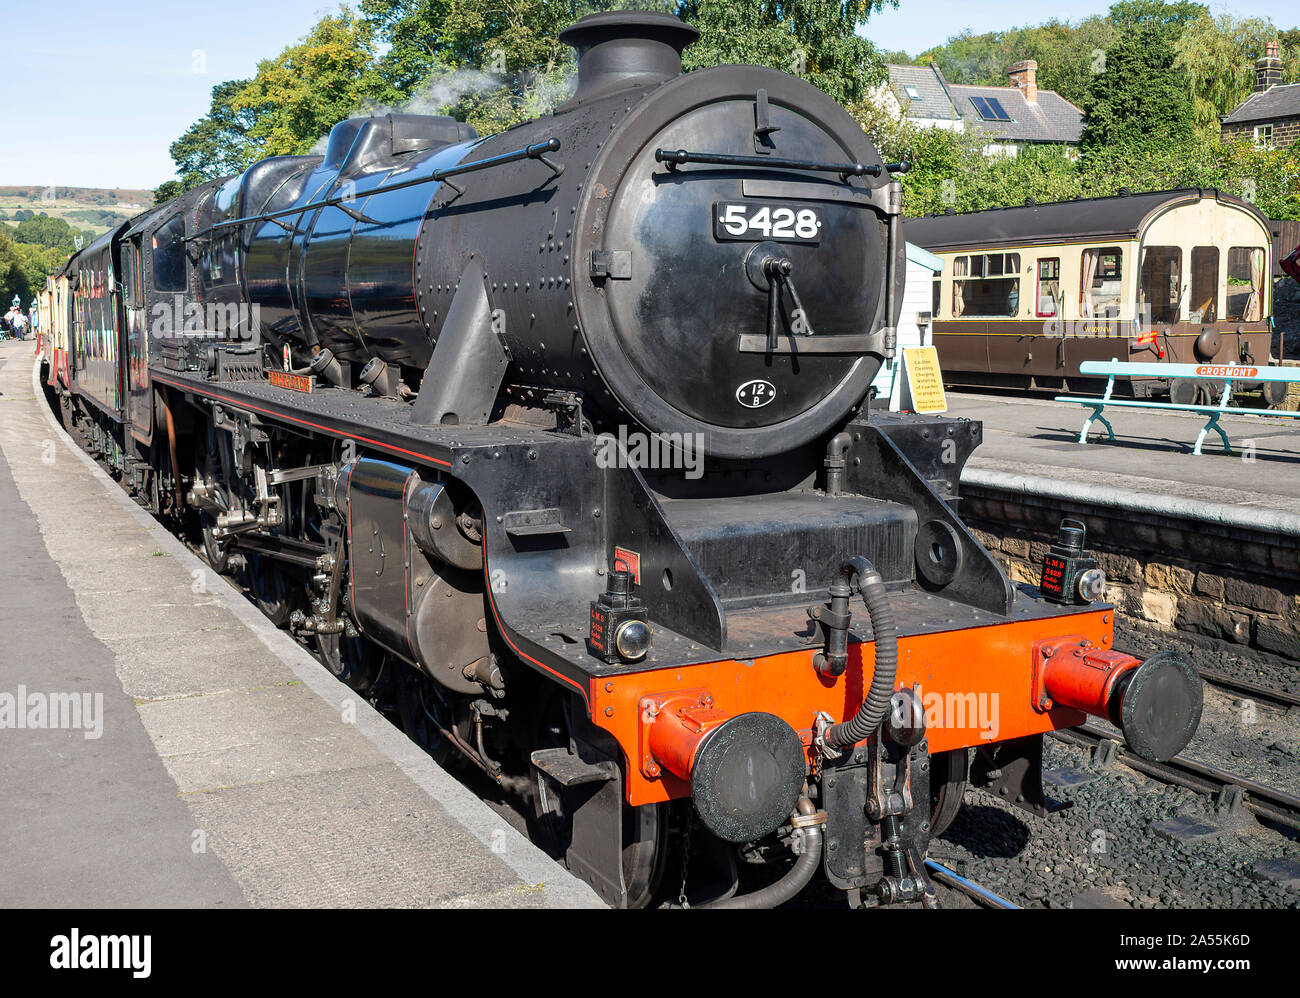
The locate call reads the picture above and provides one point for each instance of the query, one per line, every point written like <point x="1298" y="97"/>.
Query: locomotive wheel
<point x="355" y="661"/>
<point x="218" y="551"/>
<point x="270" y="588"/>
<point x="645" y="828"/>
<point x="416" y="722"/>
<point x="947" y="788"/>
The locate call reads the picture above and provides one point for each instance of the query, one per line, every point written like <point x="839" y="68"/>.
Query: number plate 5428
<point x="757" y="221"/>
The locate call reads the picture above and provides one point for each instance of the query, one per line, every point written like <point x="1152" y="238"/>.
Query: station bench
<point x="1226" y="373"/>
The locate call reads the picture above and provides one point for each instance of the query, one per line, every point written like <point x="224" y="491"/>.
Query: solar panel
<point x="990" y="109"/>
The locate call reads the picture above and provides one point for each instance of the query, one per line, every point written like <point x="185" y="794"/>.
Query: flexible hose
<point x="794" y="881"/>
<point x="872" y="712"/>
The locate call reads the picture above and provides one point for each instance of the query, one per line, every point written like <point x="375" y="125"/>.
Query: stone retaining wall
<point x="1169" y="571"/>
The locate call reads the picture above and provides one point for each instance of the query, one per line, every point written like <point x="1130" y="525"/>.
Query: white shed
<point x="915" y="322"/>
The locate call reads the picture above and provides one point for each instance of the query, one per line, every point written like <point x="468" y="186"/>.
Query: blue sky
<point x="921" y="24"/>
<point x="92" y="93"/>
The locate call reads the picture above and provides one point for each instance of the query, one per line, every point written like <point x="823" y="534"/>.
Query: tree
<point x="164" y="192"/>
<point x="495" y="64"/>
<point x="815" y="39"/>
<point x="49" y="233"/>
<point x="297" y="97"/>
<point x="1221" y="74"/>
<point x="1171" y="18"/>
<point x="1141" y="101"/>
<point x="13" y="278"/>
<point x="219" y="143"/>
<point x="1218" y="56"/>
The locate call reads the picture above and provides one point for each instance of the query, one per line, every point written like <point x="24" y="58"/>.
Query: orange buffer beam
<point x="976" y="687"/>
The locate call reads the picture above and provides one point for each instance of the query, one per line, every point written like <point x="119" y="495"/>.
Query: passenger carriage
<point x="1029" y="293"/>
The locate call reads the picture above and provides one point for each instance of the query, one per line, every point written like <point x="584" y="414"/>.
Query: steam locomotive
<point x="554" y="445"/>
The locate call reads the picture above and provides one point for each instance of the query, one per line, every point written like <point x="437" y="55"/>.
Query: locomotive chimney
<point x="622" y="49"/>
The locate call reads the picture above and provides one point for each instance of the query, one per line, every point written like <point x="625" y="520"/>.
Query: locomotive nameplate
<point x="293" y="382"/>
<point x="749" y="221"/>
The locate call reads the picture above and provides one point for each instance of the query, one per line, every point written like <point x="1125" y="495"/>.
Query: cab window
<point x="168" y="246"/>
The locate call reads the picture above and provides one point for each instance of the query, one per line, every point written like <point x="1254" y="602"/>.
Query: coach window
<point x="1245" y="284"/>
<point x="169" y="256"/>
<point x="986" y="285"/>
<point x="1102" y="282"/>
<point x="936" y="293"/>
<point x="1160" y="294"/>
<point x="1049" y="288"/>
<point x="1205" y="284"/>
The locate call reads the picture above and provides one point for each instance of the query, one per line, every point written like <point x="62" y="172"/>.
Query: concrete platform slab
<point x="1152" y="452"/>
<point x="225" y="766"/>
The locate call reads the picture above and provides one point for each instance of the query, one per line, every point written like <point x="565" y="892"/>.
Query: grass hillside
<point x="95" y="208"/>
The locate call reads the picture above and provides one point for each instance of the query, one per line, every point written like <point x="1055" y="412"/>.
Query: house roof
<point x="927" y="81"/>
<point x="1275" y="102"/>
<point x="1051" y="119"/>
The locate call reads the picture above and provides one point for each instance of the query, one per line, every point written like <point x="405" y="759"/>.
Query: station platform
<point x="1037" y="438"/>
<point x="163" y="745"/>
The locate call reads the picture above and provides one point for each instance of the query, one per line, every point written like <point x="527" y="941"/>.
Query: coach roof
<point x="1081" y="220"/>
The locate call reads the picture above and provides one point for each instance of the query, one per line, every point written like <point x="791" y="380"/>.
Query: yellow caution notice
<point x="923" y="387"/>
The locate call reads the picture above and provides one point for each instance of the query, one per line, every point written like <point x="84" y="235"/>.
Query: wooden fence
<point x="1286" y="237"/>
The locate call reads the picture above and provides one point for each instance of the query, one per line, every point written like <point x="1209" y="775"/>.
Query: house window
<point x="1049" y="288"/>
<point x="986" y="285"/>
<point x="1264" y="136"/>
<point x="1101" y="282"/>
<point x="1205" y="284"/>
<point x="912" y="93"/>
<point x="1245" y="284"/>
<point x="1161" y="286"/>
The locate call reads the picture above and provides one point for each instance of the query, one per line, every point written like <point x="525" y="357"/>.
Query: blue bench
<point x="1225" y="373"/>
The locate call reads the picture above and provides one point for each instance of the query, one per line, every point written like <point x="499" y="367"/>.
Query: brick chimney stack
<point x="1268" y="70"/>
<point x="1024" y="77"/>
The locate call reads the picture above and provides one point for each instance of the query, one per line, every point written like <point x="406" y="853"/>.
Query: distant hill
<point x="94" y="208"/>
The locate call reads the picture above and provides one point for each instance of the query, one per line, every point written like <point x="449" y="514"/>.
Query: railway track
<point x="1250" y="690"/>
<point x="955" y="881"/>
<point x="1239" y="687"/>
<point x="1265" y="802"/>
